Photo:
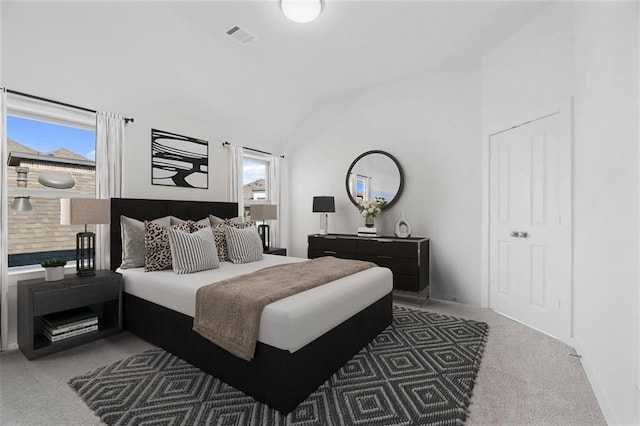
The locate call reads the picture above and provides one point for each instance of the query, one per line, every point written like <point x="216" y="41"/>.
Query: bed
<point x="300" y="345"/>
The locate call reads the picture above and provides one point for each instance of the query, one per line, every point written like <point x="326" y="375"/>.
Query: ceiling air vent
<point x="241" y="36"/>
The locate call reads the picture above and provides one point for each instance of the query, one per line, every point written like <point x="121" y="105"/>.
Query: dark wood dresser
<point x="408" y="258"/>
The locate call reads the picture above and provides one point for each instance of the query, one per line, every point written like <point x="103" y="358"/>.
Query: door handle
<point x="522" y="234"/>
<point x="514" y="234"/>
<point x="519" y="234"/>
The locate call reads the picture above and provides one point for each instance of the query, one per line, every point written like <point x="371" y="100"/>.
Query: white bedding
<point x="288" y="324"/>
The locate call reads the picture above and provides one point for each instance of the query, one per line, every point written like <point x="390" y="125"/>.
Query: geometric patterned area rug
<point x="419" y="371"/>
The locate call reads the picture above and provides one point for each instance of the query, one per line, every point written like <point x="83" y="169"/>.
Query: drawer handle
<point x="80" y="285"/>
<point x="329" y="252"/>
<point x="385" y="257"/>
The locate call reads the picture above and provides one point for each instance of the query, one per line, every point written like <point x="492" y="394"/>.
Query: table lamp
<point x="264" y="212"/>
<point x="84" y="211"/>
<point x="324" y="205"/>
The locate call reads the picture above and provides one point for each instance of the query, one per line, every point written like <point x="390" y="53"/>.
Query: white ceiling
<point x="178" y="53"/>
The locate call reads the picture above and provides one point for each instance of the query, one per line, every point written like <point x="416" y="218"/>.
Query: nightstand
<point x="277" y="251"/>
<point x="37" y="298"/>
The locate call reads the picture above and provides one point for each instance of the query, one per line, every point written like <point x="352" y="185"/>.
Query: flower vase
<point x="369" y="221"/>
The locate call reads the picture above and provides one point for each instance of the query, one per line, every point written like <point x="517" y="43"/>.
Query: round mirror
<point x="375" y="174"/>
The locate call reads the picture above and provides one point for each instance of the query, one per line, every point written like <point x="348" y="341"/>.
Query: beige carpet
<point x="525" y="378"/>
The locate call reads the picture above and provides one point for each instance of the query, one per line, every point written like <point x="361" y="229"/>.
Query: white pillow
<point x="244" y="244"/>
<point x="192" y="252"/>
<point x="132" y="238"/>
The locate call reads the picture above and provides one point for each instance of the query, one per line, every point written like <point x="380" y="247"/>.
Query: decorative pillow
<point x="132" y="237"/>
<point x="221" y="238"/>
<point x="215" y="220"/>
<point x="157" y="251"/>
<point x="192" y="252"/>
<point x="244" y="244"/>
<point x="177" y="221"/>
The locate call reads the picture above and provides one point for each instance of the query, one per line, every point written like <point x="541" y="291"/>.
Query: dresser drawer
<point x="408" y="259"/>
<point x="312" y="254"/>
<point x="340" y="245"/>
<point x="46" y="301"/>
<point x="407" y="282"/>
<point x="398" y="265"/>
<point x="393" y="248"/>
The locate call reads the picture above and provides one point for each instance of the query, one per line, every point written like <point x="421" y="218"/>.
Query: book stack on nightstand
<point x="63" y="325"/>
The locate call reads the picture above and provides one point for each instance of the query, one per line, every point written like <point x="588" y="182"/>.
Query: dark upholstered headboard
<point x="142" y="209"/>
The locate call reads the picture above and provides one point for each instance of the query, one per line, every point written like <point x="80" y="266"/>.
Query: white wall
<point x="431" y="124"/>
<point x="589" y="51"/>
<point x="606" y="203"/>
<point x="530" y="70"/>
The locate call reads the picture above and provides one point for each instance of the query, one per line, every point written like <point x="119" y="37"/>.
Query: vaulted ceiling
<point x="177" y="55"/>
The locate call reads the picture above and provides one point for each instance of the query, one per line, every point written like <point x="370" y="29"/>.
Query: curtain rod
<point x="40" y="98"/>
<point x="225" y="143"/>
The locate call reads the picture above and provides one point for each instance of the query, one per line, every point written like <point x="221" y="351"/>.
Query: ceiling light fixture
<point x="301" y="11"/>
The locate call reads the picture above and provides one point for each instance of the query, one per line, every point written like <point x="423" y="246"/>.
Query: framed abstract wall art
<point x="178" y="160"/>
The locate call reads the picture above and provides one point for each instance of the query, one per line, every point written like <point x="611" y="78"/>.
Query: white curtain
<point x="275" y="197"/>
<point x="109" y="142"/>
<point x="4" y="277"/>
<point x="236" y="190"/>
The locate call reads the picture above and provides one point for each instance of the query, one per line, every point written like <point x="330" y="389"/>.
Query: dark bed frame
<point x="276" y="377"/>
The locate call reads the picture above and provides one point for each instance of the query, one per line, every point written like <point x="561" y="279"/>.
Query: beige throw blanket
<point x="228" y="312"/>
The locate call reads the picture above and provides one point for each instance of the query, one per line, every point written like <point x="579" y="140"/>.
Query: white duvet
<point x="288" y="324"/>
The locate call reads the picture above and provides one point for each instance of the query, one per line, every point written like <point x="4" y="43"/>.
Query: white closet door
<point x="530" y="246"/>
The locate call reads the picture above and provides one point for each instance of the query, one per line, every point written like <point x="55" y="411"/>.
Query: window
<point x="46" y="148"/>
<point x="255" y="180"/>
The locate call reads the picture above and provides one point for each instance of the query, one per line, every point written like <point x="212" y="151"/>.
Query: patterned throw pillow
<point x="192" y="252"/>
<point x="132" y="237"/>
<point x="157" y="251"/>
<point x="221" y="239"/>
<point x="177" y="221"/>
<point x="244" y="244"/>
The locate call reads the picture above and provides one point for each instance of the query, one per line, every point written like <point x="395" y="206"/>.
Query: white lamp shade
<point x="301" y="11"/>
<point x="84" y="211"/>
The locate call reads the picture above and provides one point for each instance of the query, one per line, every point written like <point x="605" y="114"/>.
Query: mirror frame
<point x="395" y="161"/>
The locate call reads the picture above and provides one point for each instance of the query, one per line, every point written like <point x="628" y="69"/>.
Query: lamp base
<point x="324" y="223"/>
<point x="85" y="254"/>
<point x="264" y="232"/>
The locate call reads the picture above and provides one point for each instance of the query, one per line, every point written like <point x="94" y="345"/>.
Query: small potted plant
<point x="53" y="269"/>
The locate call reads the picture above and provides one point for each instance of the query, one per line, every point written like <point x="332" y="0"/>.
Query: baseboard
<point x="11" y="347"/>
<point x="603" y="402"/>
